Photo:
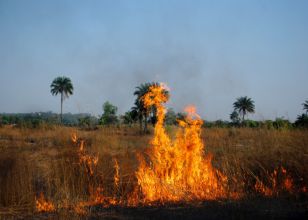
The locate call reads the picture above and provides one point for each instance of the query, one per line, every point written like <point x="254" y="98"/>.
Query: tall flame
<point x="177" y="170"/>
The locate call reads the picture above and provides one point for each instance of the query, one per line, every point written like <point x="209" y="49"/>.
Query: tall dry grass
<point x="46" y="160"/>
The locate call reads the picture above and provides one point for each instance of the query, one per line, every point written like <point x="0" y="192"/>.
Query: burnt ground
<point x="256" y="208"/>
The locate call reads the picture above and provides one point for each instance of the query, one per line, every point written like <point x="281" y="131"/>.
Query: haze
<point x="208" y="52"/>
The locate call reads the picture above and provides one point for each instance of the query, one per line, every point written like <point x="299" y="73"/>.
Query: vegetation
<point x="62" y="85"/>
<point x="139" y="109"/>
<point x="235" y="117"/>
<point x="109" y="115"/>
<point x="244" y="105"/>
<point x="129" y="117"/>
<point x="35" y="161"/>
<point x="305" y="106"/>
<point x="171" y="117"/>
<point x="37" y="155"/>
<point x="302" y="121"/>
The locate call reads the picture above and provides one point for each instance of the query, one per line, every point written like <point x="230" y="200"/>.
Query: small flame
<point x="117" y="174"/>
<point x="42" y="205"/>
<point x="279" y="180"/>
<point x="89" y="161"/>
<point x="74" y="138"/>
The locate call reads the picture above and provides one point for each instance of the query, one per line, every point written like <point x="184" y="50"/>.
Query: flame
<point x="42" y="205"/>
<point x="172" y="170"/>
<point x="117" y="174"/>
<point x="279" y="180"/>
<point x="96" y="196"/>
<point x="89" y="161"/>
<point x="177" y="170"/>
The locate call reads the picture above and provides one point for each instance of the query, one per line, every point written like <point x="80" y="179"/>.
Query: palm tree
<point x="244" y="105"/>
<point x="302" y="121"/>
<point x="139" y="107"/>
<point x="140" y="110"/>
<point x="64" y="86"/>
<point x="305" y="108"/>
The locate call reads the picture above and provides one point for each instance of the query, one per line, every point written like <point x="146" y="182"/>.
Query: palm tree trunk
<point x="243" y="118"/>
<point x="145" y="123"/>
<point x="140" y="124"/>
<point x="61" y="105"/>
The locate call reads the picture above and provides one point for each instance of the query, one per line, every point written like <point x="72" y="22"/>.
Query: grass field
<point x="267" y="169"/>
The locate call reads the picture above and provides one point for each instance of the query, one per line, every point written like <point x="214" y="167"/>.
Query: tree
<point x="64" y="86"/>
<point x="129" y="117"/>
<point x="244" y="105"/>
<point x="139" y="107"/>
<point x="170" y="118"/>
<point x="235" y="117"/>
<point x="141" y="111"/>
<point x="302" y="121"/>
<point x="109" y="115"/>
<point x="305" y="106"/>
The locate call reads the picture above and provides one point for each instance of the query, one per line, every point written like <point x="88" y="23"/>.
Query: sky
<point x="208" y="53"/>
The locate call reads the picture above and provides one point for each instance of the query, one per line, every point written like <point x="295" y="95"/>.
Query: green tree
<point x="129" y="117"/>
<point x="109" y="115"/>
<point x="139" y="107"/>
<point x="244" y="105"/>
<point x="302" y="121"/>
<point x="305" y="106"/>
<point x="62" y="85"/>
<point x="170" y="118"/>
<point x="235" y="117"/>
<point x="281" y="123"/>
<point x="181" y="116"/>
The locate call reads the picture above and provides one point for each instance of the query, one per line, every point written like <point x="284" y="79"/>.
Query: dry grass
<point x="34" y="161"/>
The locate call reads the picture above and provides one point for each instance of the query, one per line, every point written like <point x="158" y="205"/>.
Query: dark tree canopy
<point x="235" y="117"/>
<point x="305" y="106"/>
<point x="62" y="85"/>
<point x="244" y="105"/>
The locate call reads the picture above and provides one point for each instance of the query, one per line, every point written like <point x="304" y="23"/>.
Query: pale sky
<point x="208" y="52"/>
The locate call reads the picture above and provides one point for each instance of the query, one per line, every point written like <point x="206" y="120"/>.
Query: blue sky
<point x="208" y="52"/>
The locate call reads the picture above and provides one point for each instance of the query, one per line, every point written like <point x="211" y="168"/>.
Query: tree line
<point x="138" y="114"/>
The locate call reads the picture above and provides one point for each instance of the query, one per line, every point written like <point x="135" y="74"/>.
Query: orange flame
<point x="177" y="170"/>
<point x="89" y="161"/>
<point x="117" y="174"/>
<point x="172" y="171"/>
<point x="279" y="180"/>
<point x="42" y="205"/>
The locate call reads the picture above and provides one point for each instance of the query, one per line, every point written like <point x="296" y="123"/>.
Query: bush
<point x="302" y="121"/>
<point x="281" y="123"/>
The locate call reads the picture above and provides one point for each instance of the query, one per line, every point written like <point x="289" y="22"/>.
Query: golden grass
<point x="46" y="160"/>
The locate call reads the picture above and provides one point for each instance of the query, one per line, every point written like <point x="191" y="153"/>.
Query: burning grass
<point x="178" y="170"/>
<point x="32" y="163"/>
<point x="47" y="171"/>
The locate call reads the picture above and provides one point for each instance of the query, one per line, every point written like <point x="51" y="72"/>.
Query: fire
<point x="89" y="161"/>
<point x="116" y="175"/>
<point x="178" y="170"/>
<point x="278" y="181"/>
<point x="172" y="170"/>
<point x="42" y="205"/>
